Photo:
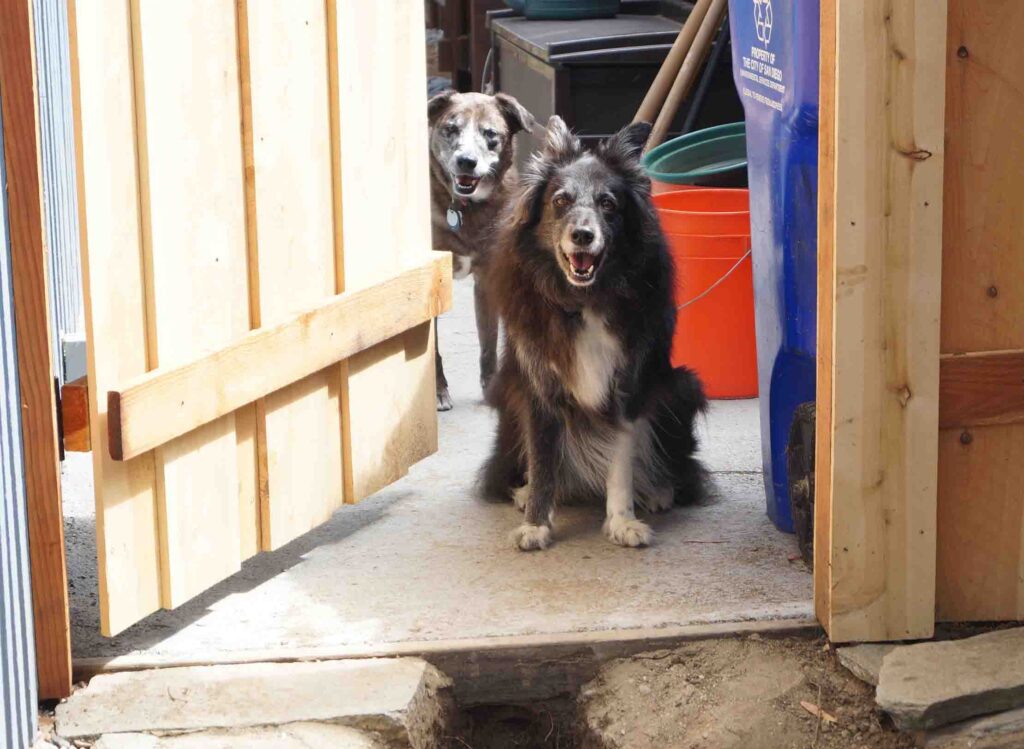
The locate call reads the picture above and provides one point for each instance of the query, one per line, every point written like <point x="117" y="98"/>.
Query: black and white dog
<point x="589" y="403"/>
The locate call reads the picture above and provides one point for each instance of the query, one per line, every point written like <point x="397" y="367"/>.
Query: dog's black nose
<point x="465" y="163"/>
<point x="582" y="237"/>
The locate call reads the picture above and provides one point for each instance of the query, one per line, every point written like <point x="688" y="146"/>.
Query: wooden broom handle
<point x="670" y="67"/>
<point x="688" y="72"/>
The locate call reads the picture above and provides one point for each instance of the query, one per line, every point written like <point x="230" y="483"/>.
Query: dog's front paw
<point x="444" y="400"/>
<point x="528" y="537"/>
<point x="660" y="500"/>
<point x="628" y="531"/>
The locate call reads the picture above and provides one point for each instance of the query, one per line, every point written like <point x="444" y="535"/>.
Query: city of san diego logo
<point x="763" y="20"/>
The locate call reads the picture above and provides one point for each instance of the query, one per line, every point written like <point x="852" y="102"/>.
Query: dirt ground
<point x="714" y="694"/>
<point x="733" y="693"/>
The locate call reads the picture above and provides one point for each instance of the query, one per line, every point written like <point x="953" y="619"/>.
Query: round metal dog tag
<point x="454" y="219"/>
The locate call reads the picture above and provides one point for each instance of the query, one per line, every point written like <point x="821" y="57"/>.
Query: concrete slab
<point x="864" y="661"/>
<point x="425" y="560"/>
<point x="405" y="701"/>
<point x="294" y="736"/>
<point x="934" y="683"/>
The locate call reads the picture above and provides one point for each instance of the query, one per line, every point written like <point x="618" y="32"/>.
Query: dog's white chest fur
<point x="598" y="355"/>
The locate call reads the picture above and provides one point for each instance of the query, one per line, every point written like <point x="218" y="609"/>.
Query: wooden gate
<point x="920" y="506"/>
<point x="259" y="282"/>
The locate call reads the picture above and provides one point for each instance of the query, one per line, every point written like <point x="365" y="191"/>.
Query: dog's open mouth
<point x="465" y="184"/>
<point x="582" y="267"/>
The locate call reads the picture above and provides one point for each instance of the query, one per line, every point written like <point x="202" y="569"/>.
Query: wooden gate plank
<point x="826" y="313"/>
<point x="981" y="505"/>
<point x="163" y="404"/>
<point x="35" y="373"/>
<point x="292" y="207"/>
<point x="194" y="245"/>
<point x="115" y="309"/>
<point x="389" y="417"/>
<point x="981" y="388"/>
<point x="885" y="379"/>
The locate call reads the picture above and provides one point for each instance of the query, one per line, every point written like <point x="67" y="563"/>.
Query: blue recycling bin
<point x="775" y="66"/>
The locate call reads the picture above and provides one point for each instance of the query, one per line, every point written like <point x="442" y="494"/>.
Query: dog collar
<point x="454" y="215"/>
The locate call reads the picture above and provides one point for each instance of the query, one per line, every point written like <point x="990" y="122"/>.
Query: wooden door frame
<point x="35" y="364"/>
<point x="881" y="142"/>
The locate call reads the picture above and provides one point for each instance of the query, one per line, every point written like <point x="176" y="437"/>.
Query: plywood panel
<point x="981" y="522"/>
<point x="885" y="377"/>
<point x="113" y="272"/>
<point x="981" y="504"/>
<point x="194" y="245"/>
<point x="389" y="393"/>
<point x="294" y="247"/>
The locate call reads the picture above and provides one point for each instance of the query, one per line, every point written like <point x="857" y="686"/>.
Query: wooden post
<point x="31" y="314"/>
<point x="880" y="215"/>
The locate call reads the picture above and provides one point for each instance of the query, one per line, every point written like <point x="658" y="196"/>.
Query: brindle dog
<point x="472" y="175"/>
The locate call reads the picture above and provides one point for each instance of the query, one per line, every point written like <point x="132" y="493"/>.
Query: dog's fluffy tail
<point x="675" y="429"/>
<point x="504" y="470"/>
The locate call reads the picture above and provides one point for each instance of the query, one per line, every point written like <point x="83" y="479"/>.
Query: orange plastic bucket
<point x="715" y="292"/>
<point x="707" y="212"/>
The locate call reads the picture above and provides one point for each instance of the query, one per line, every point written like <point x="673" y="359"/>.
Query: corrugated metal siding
<point x="17" y="649"/>
<point x="53" y="71"/>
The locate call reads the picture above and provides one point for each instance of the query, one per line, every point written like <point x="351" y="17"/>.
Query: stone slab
<point x="293" y="736"/>
<point x="999" y="731"/>
<point x="932" y="684"/>
<point x="404" y="700"/>
<point x="864" y="661"/>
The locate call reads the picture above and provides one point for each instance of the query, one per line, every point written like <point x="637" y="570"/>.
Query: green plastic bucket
<point x="564" y="10"/>
<point x="714" y="157"/>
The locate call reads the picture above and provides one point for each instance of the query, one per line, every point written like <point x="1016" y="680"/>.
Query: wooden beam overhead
<point x="169" y="402"/>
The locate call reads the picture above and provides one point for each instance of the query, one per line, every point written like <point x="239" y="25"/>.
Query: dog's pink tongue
<point x="581" y="260"/>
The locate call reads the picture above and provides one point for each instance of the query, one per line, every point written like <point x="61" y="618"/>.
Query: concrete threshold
<point x="488" y="670"/>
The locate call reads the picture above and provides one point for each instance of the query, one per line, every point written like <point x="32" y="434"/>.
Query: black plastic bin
<point x="594" y="73"/>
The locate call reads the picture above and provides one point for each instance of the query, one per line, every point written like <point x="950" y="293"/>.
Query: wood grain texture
<point x="194" y="244"/>
<point x="35" y="373"/>
<point x="115" y="308"/>
<point x="162" y="404"/>
<point x="980" y="567"/>
<point x="74" y="415"/>
<point x="826" y="307"/>
<point x="981" y="505"/>
<point x="890" y="61"/>
<point x="389" y="401"/>
<point x="981" y="389"/>
<point x="293" y="243"/>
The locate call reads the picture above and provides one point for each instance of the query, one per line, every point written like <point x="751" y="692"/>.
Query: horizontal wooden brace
<point x="978" y="389"/>
<point x="74" y="416"/>
<point x="169" y="402"/>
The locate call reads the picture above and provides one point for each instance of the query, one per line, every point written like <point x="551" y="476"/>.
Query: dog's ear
<point x="561" y="143"/>
<point x="439" y="104"/>
<point x="516" y="115"/>
<point x="628" y="144"/>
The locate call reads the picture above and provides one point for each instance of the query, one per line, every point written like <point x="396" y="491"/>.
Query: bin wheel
<point x="800" y="467"/>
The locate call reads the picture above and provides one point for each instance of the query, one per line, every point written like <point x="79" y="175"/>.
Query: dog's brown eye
<point x="607" y="204"/>
<point x="560" y="201"/>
